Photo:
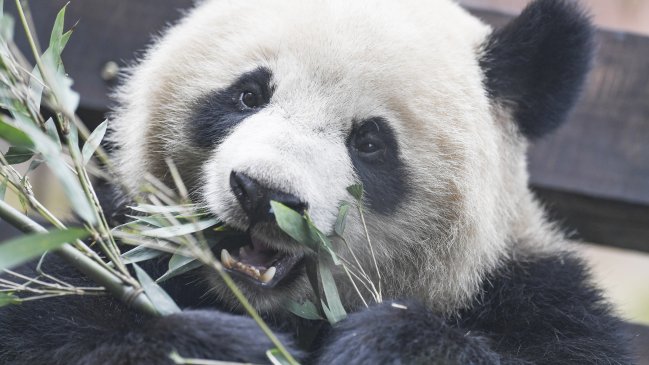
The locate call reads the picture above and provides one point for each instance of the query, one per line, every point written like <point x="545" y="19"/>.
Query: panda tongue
<point x="257" y="254"/>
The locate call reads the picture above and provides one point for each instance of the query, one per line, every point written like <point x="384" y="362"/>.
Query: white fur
<point x="414" y="62"/>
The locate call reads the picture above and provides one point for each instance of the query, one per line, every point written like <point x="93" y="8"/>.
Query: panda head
<point x="419" y="101"/>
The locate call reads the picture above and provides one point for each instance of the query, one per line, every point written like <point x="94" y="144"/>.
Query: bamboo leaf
<point x="152" y="221"/>
<point x="339" y="227"/>
<point x="19" y="250"/>
<point x="3" y="187"/>
<point x="6" y="27"/>
<point x="179" y="264"/>
<point x="276" y="357"/>
<point x="15" y="136"/>
<point x="57" y="29"/>
<point x="160" y="299"/>
<point x="140" y="253"/>
<point x="293" y="224"/>
<point x="179" y="230"/>
<point x="7" y="299"/>
<point x="54" y="159"/>
<point x="305" y="310"/>
<point x="334" y="309"/>
<point x="93" y="141"/>
<point x="50" y="129"/>
<point x="16" y="155"/>
<point x="356" y="191"/>
<point x="154" y="209"/>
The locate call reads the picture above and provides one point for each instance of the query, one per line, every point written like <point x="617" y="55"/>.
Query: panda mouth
<point x="254" y="260"/>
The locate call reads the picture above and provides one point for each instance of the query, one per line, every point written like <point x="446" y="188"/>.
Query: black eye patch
<point x="218" y="112"/>
<point x="374" y="151"/>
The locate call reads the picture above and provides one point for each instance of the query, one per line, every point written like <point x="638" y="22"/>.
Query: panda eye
<point x="249" y="100"/>
<point x="369" y="146"/>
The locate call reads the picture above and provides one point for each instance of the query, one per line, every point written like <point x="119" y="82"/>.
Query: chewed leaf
<point x="93" y="141"/>
<point x="356" y="191"/>
<point x="301" y="229"/>
<point x="305" y="310"/>
<point x="339" y="227"/>
<point x="276" y="357"/>
<point x="7" y="299"/>
<point x="293" y="224"/>
<point x="19" y="250"/>
<point x="159" y="298"/>
<point x="179" y="230"/>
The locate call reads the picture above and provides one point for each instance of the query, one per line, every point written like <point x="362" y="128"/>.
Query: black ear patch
<point x="537" y="63"/>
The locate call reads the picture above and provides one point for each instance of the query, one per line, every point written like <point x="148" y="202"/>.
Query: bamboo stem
<point x="130" y="295"/>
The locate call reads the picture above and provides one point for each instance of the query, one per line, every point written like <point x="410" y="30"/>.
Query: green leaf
<point x="93" y="141"/>
<point x="356" y="191"/>
<point x="179" y="264"/>
<point x="334" y="309"/>
<point x="16" y="155"/>
<point x="33" y="165"/>
<point x="293" y="224"/>
<point x="339" y="227"/>
<point x="159" y="298"/>
<point x="3" y="188"/>
<point x="54" y="159"/>
<point x="305" y="310"/>
<point x="50" y="129"/>
<point x="152" y="221"/>
<point x="179" y="230"/>
<point x="19" y="250"/>
<point x="7" y="299"/>
<point x="140" y="253"/>
<point x="6" y="27"/>
<point x="154" y="209"/>
<point x="15" y="136"/>
<point x="301" y="229"/>
<point x="276" y="357"/>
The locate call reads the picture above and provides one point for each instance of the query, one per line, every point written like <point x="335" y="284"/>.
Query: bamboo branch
<point x="130" y="295"/>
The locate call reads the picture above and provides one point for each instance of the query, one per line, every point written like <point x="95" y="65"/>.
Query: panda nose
<point x="255" y="198"/>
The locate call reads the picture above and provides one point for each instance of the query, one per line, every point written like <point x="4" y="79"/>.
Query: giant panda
<point x="294" y="101"/>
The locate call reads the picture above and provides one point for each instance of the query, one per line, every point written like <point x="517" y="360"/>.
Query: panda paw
<point x="402" y="333"/>
<point x="201" y="334"/>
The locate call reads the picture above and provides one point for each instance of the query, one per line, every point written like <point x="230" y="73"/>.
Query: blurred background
<point x="592" y="174"/>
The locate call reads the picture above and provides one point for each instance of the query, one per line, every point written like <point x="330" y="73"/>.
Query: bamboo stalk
<point x="128" y="294"/>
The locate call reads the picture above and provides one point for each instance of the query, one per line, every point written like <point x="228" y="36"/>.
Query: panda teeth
<point x="268" y="275"/>
<point x="231" y="263"/>
<point x="226" y="259"/>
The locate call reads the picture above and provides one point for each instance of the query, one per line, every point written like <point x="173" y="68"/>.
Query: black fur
<point x="383" y="173"/>
<point x="530" y="311"/>
<point x="217" y="113"/>
<point x="537" y="64"/>
<point x="536" y="311"/>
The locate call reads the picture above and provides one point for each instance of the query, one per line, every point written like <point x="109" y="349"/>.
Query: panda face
<point x="295" y="101"/>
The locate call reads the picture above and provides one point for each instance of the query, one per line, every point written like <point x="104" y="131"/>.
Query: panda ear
<point x="536" y="65"/>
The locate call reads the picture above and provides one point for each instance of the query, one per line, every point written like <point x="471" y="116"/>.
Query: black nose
<point x="255" y="198"/>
